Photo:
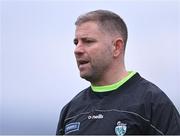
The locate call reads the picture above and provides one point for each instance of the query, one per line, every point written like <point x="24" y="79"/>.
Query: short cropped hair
<point x="108" y="21"/>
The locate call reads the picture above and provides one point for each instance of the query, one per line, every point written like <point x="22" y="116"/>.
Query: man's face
<point x="93" y="51"/>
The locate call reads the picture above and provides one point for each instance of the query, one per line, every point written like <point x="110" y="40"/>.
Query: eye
<point x="75" y="41"/>
<point x="88" y="40"/>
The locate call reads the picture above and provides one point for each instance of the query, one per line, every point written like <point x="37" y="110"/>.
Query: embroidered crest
<point x="120" y="129"/>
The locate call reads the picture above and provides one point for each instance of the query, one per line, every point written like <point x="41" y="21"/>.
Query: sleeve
<point x="165" y="118"/>
<point x="60" y="126"/>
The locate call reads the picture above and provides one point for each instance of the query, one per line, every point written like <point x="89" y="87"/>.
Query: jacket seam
<point x="116" y="110"/>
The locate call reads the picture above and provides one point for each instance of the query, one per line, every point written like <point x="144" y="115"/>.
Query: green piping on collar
<point x="114" y="86"/>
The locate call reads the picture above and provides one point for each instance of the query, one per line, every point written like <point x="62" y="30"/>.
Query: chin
<point x="86" y="77"/>
<point x="89" y="78"/>
<point x="83" y="76"/>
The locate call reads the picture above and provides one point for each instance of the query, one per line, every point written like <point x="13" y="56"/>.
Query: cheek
<point x="107" y="52"/>
<point x="101" y="56"/>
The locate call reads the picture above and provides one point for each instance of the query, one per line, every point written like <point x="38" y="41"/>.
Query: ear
<point x="118" y="47"/>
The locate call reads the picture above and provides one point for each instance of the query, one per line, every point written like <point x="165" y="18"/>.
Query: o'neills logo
<point x="99" y="116"/>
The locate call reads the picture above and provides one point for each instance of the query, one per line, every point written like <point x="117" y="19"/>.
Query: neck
<point x="112" y="76"/>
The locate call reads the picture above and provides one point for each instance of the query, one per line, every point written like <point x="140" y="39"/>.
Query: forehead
<point x="88" y="29"/>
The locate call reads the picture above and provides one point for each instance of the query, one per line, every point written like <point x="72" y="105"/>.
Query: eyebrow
<point x="84" y="38"/>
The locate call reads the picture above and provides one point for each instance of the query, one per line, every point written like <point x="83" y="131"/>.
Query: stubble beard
<point x="99" y="66"/>
<point x="92" y="76"/>
<point x="96" y="72"/>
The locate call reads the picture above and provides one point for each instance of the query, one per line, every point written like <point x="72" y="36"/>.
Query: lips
<point x="82" y="63"/>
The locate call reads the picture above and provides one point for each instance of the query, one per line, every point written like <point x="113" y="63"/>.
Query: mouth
<point x="82" y="63"/>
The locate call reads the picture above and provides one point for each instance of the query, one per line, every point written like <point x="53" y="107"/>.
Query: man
<point x="118" y="102"/>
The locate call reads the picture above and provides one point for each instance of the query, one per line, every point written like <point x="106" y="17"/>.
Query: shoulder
<point x="160" y="110"/>
<point x="77" y="99"/>
<point x="153" y="91"/>
<point x="153" y="97"/>
<point x="140" y="88"/>
<point x="143" y="91"/>
<point x="81" y="95"/>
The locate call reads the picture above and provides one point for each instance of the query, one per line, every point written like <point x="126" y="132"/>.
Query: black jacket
<point x="136" y="107"/>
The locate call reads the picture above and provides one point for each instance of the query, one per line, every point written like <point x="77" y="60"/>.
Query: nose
<point x="79" y="50"/>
